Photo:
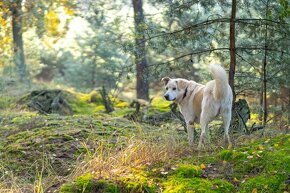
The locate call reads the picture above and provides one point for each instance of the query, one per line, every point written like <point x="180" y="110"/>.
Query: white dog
<point x="202" y="103"/>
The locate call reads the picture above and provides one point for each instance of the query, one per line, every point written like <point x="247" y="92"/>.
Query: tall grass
<point x="111" y="162"/>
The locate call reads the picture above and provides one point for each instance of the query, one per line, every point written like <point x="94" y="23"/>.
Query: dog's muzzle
<point x="166" y="96"/>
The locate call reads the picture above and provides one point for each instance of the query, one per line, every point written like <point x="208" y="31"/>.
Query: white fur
<point x="202" y="103"/>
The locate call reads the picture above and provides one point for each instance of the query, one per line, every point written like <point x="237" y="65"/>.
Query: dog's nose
<point x="166" y="97"/>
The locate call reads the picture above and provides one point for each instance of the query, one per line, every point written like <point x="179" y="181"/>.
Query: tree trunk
<point x="17" y="40"/>
<point x="142" y="86"/>
<point x="264" y="71"/>
<point x="232" y="49"/>
<point x="93" y="73"/>
<point x="265" y="109"/>
<point x="261" y="99"/>
<point x="288" y="107"/>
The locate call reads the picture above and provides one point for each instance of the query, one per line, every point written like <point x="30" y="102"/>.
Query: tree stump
<point x="47" y="102"/>
<point x="106" y="100"/>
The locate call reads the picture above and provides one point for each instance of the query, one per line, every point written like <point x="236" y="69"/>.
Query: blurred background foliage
<point x="87" y="44"/>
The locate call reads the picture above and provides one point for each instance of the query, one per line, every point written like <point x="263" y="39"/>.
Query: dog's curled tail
<point x="219" y="74"/>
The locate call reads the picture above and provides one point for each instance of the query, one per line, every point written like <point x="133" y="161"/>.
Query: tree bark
<point x="261" y="98"/>
<point x="142" y="86"/>
<point x="232" y="50"/>
<point x="265" y="109"/>
<point x="19" y="59"/>
<point x="264" y="72"/>
<point x="288" y="105"/>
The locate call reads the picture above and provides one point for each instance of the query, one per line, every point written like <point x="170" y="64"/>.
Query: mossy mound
<point x="29" y="140"/>
<point x="264" y="183"/>
<point x="180" y="185"/>
<point x="187" y="171"/>
<point x="86" y="184"/>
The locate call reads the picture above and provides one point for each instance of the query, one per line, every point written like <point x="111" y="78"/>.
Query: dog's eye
<point x="174" y="88"/>
<point x="166" y="88"/>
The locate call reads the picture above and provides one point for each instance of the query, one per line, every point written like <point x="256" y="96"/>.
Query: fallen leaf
<point x="164" y="173"/>
<point x="202" y="166"/>
<point x="260" y="147"/>
<point x="254" y="190"/>
<point x="250" y="157"/>
<point x="173" y="167"/>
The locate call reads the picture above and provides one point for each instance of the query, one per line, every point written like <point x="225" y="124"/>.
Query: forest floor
<point x="91" y="151"/>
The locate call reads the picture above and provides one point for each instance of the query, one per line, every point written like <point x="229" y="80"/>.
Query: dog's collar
<point x="185" y="92"/>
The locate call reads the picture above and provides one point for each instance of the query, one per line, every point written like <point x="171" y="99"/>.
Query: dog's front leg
<point x="190" y="133"/>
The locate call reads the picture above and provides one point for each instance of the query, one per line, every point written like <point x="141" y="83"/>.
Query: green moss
<point x="181" y="185"/>
<point x="83" y="103"/>
<point x="86" y="184"/>
<point x="122" y="104"/>
<point x="186" y="179"/>
<point x="122" y="112"/>
<point x="187" y="171"/>
<point x="132" y="186"/>
<point x="264" y="183"/>
<point x="94" y="97"/>
<point x="160" y="104"/>
<point x="222" y="186"/>
<point x="6" y="102"/>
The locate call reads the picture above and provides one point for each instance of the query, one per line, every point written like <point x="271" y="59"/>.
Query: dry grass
<point x="15" y="185"/>
<point x="119" y="161"/>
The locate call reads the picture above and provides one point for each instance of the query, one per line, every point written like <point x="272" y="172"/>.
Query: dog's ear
<point x="165" y="80"/>
<point x="181" y="84"/>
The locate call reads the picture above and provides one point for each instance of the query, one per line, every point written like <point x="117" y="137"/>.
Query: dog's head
<point x="175" y="88"/>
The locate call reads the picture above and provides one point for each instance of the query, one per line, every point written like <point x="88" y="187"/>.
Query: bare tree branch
<point x="218" y="20"/>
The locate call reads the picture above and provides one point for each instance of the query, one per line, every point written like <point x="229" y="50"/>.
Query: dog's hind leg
<point x="190" y="133"/>
<point x="204" y="120"/>
<point x="227" y="120"/>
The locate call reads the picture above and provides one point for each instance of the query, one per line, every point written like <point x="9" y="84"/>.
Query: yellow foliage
<point x="7" y="40"/>
<point x="52" y="22"/>
<point x="3" y="22"/>
<point x="69" y="11"/>
<point x="64" y="1"/>
<point x="122" y="105"/>
<point x="255" y="117"/>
